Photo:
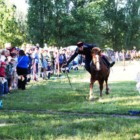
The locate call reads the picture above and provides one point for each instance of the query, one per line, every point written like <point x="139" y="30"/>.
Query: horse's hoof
<point x="107" y="93"/>
<point x="91" y="98"/>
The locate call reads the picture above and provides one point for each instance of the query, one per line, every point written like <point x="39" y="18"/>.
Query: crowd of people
<point x="127" y="55"/>
<point x="20" y="65"/>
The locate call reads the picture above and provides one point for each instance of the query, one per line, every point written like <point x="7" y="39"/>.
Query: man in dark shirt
<point x="85" y="49"/>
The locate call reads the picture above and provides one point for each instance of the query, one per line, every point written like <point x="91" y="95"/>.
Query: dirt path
<point x="125" y="73"/>
<point x="119" y="72"/>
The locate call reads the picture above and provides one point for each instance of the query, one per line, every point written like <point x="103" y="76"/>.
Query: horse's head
<point x="96" y="54"/>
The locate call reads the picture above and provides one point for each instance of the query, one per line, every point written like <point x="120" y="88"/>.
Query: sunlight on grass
<point x="131" y="103"/>
<point x="116" y="99"/>
<point x="83" y="120"/>
<point x="6" y="124"/>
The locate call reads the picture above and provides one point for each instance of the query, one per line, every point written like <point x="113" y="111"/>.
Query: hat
<point x="80" y="44"/>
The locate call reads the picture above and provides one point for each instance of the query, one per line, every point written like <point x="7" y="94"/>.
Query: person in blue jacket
<point x="85" y="49"/>
<point x="22" y="69"/>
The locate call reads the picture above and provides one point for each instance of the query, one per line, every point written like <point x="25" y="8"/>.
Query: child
<point x="3" y="81"/>
<point x="10" y="69"/>
<point x="49" y="70"/>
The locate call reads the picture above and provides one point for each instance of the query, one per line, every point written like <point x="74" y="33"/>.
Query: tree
<point x="122" y="23"/>
<point x="132" y="19"/>
<point x="9" y="29"/>
<point x="64" y="22"/>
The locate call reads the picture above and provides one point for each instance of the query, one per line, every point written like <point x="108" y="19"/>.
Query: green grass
<point x="53" y="126"/>
<point x="52" y="110"/>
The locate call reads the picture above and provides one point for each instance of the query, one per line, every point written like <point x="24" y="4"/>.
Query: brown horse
<point x="99" y="72"/>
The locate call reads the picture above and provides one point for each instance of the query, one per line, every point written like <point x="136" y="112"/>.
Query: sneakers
<point x="111" y="64"/>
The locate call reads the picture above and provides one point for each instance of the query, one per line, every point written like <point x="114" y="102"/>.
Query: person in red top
<point x="3" y="81"/>
<point x="2" y="69"/>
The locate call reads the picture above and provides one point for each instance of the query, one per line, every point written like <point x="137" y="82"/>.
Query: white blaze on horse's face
<point x="97" y="62"/>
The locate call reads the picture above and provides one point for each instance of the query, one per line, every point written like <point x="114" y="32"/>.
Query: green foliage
<point x="133" y="21"/>
<point x="9" y="28"/>
<point x="110" y="23"/>
<point x="64" y="22"/>
<point x="122" y="24"/>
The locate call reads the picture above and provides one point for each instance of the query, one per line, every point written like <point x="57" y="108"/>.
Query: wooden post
<point x="58" y="71"/>
<point x="123" y="60"/>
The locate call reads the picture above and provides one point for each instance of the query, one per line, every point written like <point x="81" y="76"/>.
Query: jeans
<point x="4" y="88"/>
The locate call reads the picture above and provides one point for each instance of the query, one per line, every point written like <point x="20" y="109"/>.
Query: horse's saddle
<point x="93" y="66"/>
<point x="105" y="63"/>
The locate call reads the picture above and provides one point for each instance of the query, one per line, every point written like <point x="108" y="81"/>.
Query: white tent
<point x="72" y="47"/>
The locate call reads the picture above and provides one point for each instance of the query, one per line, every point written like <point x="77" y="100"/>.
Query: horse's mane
<point x="96" y="50"/>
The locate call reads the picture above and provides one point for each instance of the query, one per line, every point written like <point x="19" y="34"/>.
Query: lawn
<point x="52" y="110"/>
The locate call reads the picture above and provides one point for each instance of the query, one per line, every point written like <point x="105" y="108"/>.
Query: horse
<point x="99" y="72"/>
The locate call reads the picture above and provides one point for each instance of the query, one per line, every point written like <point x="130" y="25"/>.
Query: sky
<point x="20" y="4"/>
<point x="23" y="6"/>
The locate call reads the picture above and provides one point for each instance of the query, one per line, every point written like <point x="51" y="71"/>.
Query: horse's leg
<point x="101" y="86"/>
<point x="91" y="90"/>
<point x="107" y="88"/>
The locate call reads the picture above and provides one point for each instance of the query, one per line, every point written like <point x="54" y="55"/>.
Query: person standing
<point x="3" y="81"/>
<point x="22" y="69"/>
<point x="35" y="57"/>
